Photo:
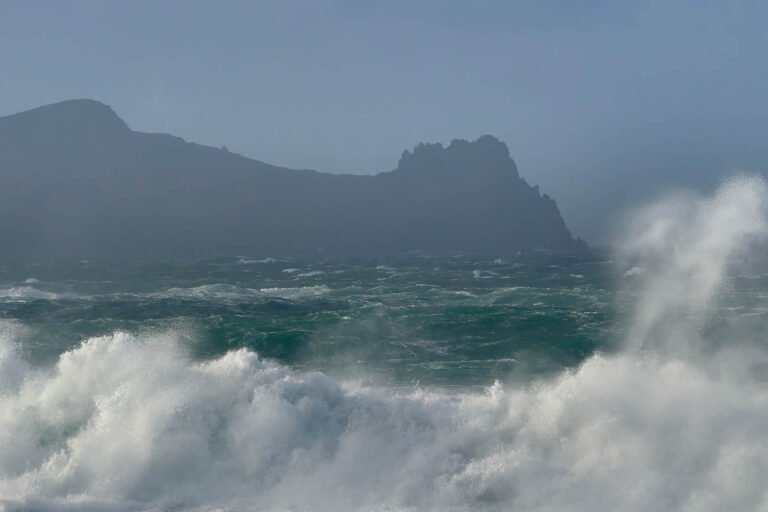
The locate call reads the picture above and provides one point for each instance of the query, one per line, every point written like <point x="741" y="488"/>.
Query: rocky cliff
<point x="77" y="181"/>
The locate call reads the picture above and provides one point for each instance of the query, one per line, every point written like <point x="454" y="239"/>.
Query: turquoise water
<point x="449" y="321"/>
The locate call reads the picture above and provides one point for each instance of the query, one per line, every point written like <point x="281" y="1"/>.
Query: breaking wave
<point x="231" y="292"/>
<point x="29" y="293"/>
<point x="126" y="422"/>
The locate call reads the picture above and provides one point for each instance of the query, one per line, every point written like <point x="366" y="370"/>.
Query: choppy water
<point x="408" y="383"/>
<point x="447" y="321"/>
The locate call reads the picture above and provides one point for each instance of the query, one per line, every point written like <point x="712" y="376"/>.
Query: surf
<point x="668" y="422"/>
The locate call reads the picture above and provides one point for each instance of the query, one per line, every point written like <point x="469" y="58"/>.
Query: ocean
<point x="631" y="379"/>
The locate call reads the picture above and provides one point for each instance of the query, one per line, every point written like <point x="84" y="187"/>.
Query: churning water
<point x="410" y="383"/>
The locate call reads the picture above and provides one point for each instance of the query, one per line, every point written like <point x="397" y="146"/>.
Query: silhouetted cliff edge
<point x="77" y="181"/>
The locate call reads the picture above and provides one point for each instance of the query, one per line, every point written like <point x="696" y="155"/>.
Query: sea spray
<point x="685" y="245"/>
<point x="132" y="422"/>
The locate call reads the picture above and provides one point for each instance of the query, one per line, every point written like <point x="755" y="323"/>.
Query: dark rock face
<point x="77" y="182"/>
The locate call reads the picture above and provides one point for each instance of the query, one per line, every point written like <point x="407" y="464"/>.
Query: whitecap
<point x="29" y="293"/>
<point x="131" y="423"/>
<point x="295" y="293"/>
<point x="223" y="291"/>
<point x="311" y="273"/>
<point x="247" y="261"/>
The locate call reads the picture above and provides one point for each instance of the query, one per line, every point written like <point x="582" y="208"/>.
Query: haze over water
<point x="634" y="381"/>
<point x="422" y="256"/>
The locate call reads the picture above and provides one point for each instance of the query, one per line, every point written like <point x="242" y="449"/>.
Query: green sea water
<point x="448" y="321"/>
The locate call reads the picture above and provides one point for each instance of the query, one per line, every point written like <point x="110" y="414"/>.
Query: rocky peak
<point x="486" y="154"/>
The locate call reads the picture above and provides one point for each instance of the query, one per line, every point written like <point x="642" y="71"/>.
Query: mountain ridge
<point x="76" y="175"/>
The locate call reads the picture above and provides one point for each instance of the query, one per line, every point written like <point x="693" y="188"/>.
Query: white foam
<point x="228" y="292"/>
<point x="311" y="273"/>
<point x="219" y="291"/>
<point x="131" y="423"/>
<point x="242" y="260"/>
<point x="300" y="292"/>
<point x="29" y="293"/>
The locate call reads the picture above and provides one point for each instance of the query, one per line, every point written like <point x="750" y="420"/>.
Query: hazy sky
<point x="585" y="93"/>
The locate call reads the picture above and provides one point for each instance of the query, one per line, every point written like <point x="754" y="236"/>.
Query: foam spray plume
<point x="685" y="245"/>
<point x="127" y="422"/>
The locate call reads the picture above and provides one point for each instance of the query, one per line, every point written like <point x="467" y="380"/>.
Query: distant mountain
<point x="77" y="181"/>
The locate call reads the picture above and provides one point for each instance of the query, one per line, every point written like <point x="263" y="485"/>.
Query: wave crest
<point x="128" y="422"/>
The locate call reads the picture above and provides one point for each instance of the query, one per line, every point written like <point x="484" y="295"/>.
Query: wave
<point x="208" y="292"/>
<point x="311" y="273"/>
<point x="242" y="260"/>
<point x="300" y="292"/>
<point x="131" y="422"/>
<point x="224" y="292"/>
<point x="30" y="293"/>
<point x="127" y="423"/>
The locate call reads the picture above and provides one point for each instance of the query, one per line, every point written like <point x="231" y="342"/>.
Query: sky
<point x="602" y="103"/>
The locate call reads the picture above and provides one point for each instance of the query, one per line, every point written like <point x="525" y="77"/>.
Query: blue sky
<point x="585" y="94"/>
